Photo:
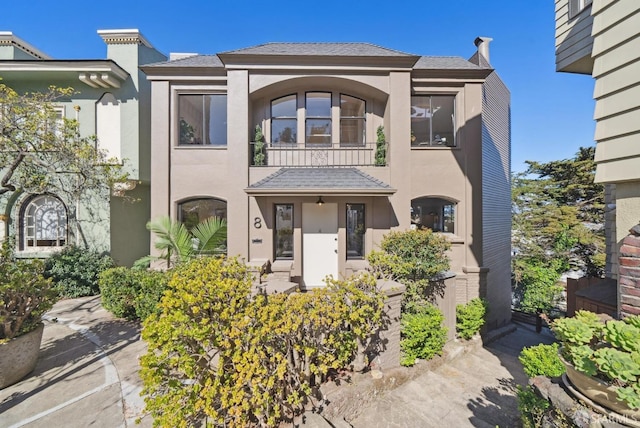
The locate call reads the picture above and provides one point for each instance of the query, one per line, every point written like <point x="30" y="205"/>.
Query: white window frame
<point x="577" y="6"/>
<point x="32" y="232"/>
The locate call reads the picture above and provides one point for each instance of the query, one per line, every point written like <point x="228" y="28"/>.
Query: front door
<point x="319" y="243"/>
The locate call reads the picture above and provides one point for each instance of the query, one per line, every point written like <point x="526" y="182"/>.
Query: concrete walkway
<point x="87" y="376"/>
<point x="477" y="389"/>
<point x="87" y="373"/>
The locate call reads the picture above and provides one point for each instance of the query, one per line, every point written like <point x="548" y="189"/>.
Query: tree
<point x="43" y="153"/>
<point x="558" y="225"/>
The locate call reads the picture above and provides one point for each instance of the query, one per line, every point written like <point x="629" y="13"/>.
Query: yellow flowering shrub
<point x="219" y="356"/>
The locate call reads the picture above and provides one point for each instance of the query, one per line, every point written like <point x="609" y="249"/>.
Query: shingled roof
<point x="318" y="49"/>
<point x="445" y="62"/>
<point x="191" y="61"/>
<point x="323" y="180"/>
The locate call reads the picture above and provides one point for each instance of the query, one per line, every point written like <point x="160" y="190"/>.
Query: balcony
<point x="292" y="155"/>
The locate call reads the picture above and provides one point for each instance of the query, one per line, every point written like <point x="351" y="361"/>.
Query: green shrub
<point x="219" y="354"/>
<point x="423" y="334"/>
<point x="24" y="293"/>
<point x="414" y="258"/>
<point x="131" y="293"/>
<point x="75" y="270"/>
<point x="538" y="287"/>
<point x="542" y="360"/>
<point x="470" y="318"/>
<point x="532" y="407"/>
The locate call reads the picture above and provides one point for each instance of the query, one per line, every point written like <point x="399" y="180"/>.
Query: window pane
<point x="191" y="112"/>
<point x="283" y="130"/>
<point x="351" y="107"/>
<point x="442" y="120"/>
<point x="194" y="211"/>
<point x="216" y="114"/>
<point x="284" y="107"/>
<point x="352" y="131"/>
<point x="319" y="131"/>
<point x="203" y="119"/>
<point x="45" y="222"/>
<point x="355" y="231"/>
<point x="318" y="104"/>
<point x="436" y="214"/>
<point x="433" y="120"/>
<point x="420" y="120"/>
<point x="283" y="241"/>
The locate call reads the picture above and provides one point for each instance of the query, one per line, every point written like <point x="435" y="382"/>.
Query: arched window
<point x="193" y="211"/>
<point x="437" y="214"/>
<point x="44" y="223"/>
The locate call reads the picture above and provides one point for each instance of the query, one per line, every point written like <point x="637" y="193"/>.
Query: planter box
<point x="19" y="356"/>
<point x="599" y="392"/>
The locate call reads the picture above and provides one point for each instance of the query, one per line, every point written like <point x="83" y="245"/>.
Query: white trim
<point x="7" y="38"/>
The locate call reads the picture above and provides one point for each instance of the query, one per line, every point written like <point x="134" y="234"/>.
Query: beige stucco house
<point x="601" y="38"/>
<point x="321" y="189"/>
<point x="111" y="101"/>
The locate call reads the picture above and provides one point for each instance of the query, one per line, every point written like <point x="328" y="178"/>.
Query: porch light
<point x="319" y="202"/>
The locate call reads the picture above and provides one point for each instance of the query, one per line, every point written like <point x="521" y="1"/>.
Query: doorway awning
<point x="325" y="181"/>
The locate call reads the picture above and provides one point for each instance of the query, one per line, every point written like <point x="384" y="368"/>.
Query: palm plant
<point x="176" y="243"/>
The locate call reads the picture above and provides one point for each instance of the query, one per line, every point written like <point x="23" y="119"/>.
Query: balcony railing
<point x="292" y="155"/>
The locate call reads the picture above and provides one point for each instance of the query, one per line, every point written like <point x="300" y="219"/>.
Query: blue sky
<point x="551" y="112"/>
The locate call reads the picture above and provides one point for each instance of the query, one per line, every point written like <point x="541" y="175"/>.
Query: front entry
<point x="319" y="243"/>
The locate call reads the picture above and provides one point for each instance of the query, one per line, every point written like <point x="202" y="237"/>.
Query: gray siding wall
<point x="496" y="196"/>
<point x="573" y="39"/>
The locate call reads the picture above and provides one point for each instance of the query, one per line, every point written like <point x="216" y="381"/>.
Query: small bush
<point x="423" y="334"/>
<point x="74" y="271"/>
<point x="218" y="356"/>
<point x="470" y="318"/>
<point x="131" y="294"/>
<point x="542" y="360"/>
<point x="532" y="407"/>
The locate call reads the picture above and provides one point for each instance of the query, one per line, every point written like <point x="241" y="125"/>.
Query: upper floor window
<point x="437" y="214"/>
<point x="203" y="119"/>
<point x="44" y="223"/>
<point x="318" y="112"/>
<point x="577" y="6"/>
<point x="433" y="120"/>
<point x="284" y="123"/>
<point x="318" y="118"/>
<point x="352" y="120"/>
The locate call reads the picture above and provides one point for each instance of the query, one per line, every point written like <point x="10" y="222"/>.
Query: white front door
<point x="319" y="243"/>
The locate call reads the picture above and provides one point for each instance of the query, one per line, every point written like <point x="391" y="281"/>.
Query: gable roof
<point x="318" y="49"/>
<point x="335" y="181"/>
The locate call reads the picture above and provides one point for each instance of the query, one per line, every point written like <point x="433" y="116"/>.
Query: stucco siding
<point x="496" y="200"/>
<point x="573" y="39"/>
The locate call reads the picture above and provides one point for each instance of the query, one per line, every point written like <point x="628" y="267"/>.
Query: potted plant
<point x="25" y="295"/>
<point x="258" y="148"/>
<point x="602" y="357"/>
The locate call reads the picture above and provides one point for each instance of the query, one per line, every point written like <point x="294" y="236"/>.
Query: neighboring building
<point x="113" y="103"/>
<point x="602" y="39"/>
<point x="318" y="194"/>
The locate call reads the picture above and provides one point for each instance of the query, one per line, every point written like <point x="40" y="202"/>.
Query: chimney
<point x="482" y="43"/>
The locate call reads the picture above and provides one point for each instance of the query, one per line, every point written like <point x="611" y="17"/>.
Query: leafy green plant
<point x="219" y="354"/>
<point x="608" y="350"/>
<point x="423" y="334"/>
<point x="537" y="286"/>
<point x="542" y="360"/>
<point x="25" y="294"/>
<point x="131" y="293"/>
<point x="532" y="407"/>
<point x="381" y="147"/>
<point x="177" y="244"/>
<point x="258" y="147"/>
<point x="74" y="270"/>
<point x="470" y="317"/>
<point x="414" y="258"/>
